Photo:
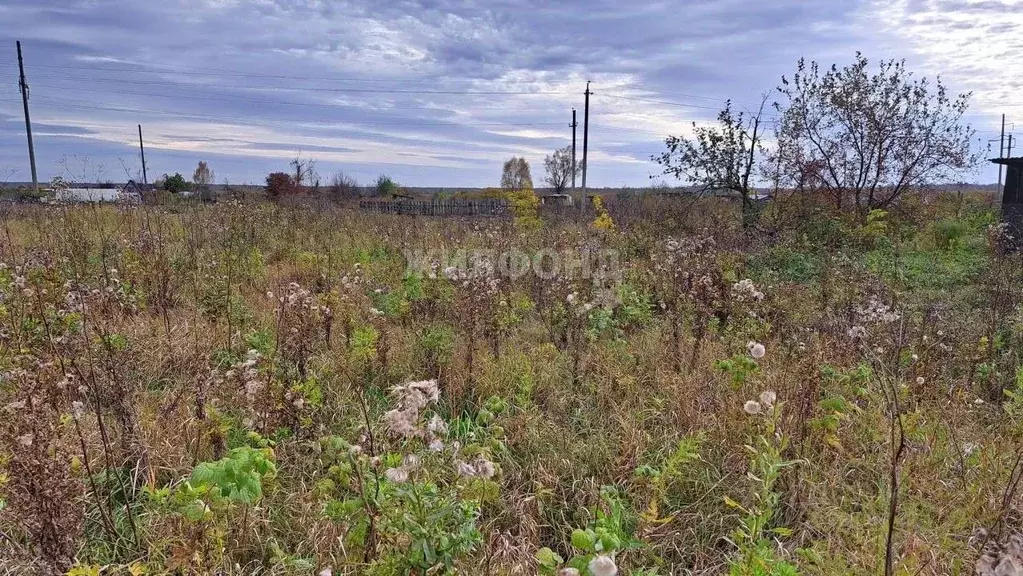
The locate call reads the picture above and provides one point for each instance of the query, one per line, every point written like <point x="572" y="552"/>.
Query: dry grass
<point x="150" y="399"/>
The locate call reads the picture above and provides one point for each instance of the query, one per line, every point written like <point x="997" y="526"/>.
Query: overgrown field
<point x="256" y="389"/>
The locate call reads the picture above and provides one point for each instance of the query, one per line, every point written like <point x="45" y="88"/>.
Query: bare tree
<point x="868" y="136"/>
<point x="559" y="169"/>
<point x="202" y="178"/>
<point x="80" y="170"/>
<point x="516" y="175"/>
<point x="6" y="173"/>
<point x="721" y="157"/>
<point x="130" y="173"/>
<point x="304" y="170"/>
<point x="343" y="187"/>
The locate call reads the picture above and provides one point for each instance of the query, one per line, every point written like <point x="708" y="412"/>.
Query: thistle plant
<point x="597" y="549"/>
<point x="478" y="290"/>
<point x="690" y="289"/>
<point x="753" y="536"/>
<point x="408" y="492"/>
<point x="37" y="441"/>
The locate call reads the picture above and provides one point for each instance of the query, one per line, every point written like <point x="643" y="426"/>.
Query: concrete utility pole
<point x="142" y="150"/>
<point x="573" y="125"/>
<point x="1009" y="153"/>
<point x="586" y="135"/>
<point x="28" y="121"/>
<point x="1001" y="154"/>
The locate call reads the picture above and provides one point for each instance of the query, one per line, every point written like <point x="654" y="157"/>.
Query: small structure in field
<point x="555" y="200"/>
<point x="1012" y="196"/>
<point x="133" y="193"/>
<point x="448" y="207"/>
<point x="728" y="194"/>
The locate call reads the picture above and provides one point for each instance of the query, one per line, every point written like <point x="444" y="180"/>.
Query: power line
<point x="223" y="98"/>
<point x="73" y="104"/>
<point x="226" y="72"/>
<point x="322" y="89"/>
<point x="662" y="102"/>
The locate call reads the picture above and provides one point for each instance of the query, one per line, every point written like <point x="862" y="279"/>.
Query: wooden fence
<point x="452" y="207"/>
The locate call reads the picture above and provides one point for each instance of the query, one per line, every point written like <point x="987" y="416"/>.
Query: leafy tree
<point x="870" y="136"/>
<point x="202" y="178"/>
<point x="279" y="185"/>
<point x="386" y="186"/>
<point x="721" y="157"/>
<point x="516" y="175"/>
<point x="174" y="184"/>
<point x="560" y="169"/>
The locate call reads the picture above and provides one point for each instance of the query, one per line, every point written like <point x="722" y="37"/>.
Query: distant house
<point x="85" y="194"/>
<point x="755" y="195"/>
<point x="1012" y="195"/>
<point x="555" y="200"/>
<point x="133" y="192"/>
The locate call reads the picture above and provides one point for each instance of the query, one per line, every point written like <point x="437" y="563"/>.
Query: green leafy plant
<point x="661" y="475"/>
<point x="238" y="477"/>
<point x="612" y="532"/>
<point x="752" y="536"/>
<point x="740" y="367"/>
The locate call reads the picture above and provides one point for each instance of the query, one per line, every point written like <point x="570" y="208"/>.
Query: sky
<point x="440" y="93"/>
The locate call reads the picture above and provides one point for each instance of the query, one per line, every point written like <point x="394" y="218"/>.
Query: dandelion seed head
<point x="396" y="475"/>
<point x="399" y="423"/>
<point x="756" y="349"/>
<point x="603" y="566"/>
<point x="437" y="425"/>
<point x="465" y="469"/>
<point x="485" y="468"/>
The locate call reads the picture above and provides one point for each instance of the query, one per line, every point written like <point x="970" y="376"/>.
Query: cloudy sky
<point x="441" y="92"/>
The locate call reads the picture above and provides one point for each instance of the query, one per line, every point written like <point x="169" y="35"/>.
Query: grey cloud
<point x="256" y="77"/>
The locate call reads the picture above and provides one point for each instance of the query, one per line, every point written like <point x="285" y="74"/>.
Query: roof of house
<point x="1017" y="162"/>
<point x="133" y="187"/>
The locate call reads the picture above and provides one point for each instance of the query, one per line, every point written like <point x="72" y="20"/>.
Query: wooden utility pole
<point x="1001" y="154"/>
<point x="573" y="125"/>
<point x="28" y="121"/>
<point x="142" y="150"/>
<point x="586" y="135"/>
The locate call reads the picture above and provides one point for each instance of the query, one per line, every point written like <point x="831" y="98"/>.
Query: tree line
<point x="858" y="137"/>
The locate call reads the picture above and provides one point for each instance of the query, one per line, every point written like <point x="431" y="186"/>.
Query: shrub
<point x="343" y="187"/>
<point x="174" y="184"/>
<point x="279" y="185"/>
<point x="386" y="186"/>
